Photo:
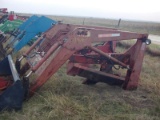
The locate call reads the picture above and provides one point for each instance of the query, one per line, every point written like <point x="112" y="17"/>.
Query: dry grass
<point x="135" y="26"/>
<point x="65" y="98"/>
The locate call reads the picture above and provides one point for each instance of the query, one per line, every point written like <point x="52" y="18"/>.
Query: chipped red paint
<point x="83" y="46"/>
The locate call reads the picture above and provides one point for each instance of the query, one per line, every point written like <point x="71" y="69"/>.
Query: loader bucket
<point x="12" y="96"/>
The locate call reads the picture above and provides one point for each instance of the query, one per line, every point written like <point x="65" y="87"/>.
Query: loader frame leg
<point x="136" y="58"/>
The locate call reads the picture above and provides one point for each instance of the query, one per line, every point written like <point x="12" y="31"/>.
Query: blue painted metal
<point x="28" y="22"/>
<point x="21" y="29"/>
<point x="34" y="27"/>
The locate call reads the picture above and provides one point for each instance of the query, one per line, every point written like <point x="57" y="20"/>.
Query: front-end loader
<point x="81" y="47"/>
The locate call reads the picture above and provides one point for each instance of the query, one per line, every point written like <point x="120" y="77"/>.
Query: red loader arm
<point x="83" y="46"/>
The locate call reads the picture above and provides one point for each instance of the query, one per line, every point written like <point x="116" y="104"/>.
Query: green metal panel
<point x="10" y="25"/>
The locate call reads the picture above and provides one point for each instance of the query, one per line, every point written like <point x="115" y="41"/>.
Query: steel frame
<point x="76" y="44"/>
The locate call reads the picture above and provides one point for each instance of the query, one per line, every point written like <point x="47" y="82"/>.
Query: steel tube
<point x="108" y="56"/>
<point x="51" y="50"/>
<point x="13" y="69"/>
<point x="33" y="46"/>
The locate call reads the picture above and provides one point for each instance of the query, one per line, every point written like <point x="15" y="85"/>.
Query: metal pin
<point x="20" y="58"/>
<point x="29" y="74"/>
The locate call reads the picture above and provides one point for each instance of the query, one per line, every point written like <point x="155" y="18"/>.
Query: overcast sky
<point x="148" y="10"/>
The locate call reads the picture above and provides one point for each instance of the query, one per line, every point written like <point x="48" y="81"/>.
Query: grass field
<point x="135" y="26"/>
<point x="65" y="98"/>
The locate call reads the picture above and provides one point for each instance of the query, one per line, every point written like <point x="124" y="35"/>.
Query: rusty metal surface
<point x="3" y="10"/>
<point x="84" y="46"/>
<point x="94" y="75"/>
